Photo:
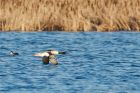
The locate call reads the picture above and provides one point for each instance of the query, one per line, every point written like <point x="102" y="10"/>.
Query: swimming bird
<point x="13" y="53"/>
<point x="49" y="56"/>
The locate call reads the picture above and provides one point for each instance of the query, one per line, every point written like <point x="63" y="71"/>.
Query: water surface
<point x="96" y="62"/>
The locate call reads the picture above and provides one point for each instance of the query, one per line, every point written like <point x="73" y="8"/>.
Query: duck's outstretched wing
<point x="45" y="59"/>
<point x="53" y="60"/>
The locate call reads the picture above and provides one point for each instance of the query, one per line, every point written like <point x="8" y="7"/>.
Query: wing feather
<point x="45" y="59"/>
<point x="53" y="60"/>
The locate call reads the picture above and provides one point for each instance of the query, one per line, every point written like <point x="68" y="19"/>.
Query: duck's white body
<point x="42" y="54"/>
<point x="47" y="53"/>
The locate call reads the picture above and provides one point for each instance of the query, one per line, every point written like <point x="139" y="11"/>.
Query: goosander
<point x="49" y="56"/>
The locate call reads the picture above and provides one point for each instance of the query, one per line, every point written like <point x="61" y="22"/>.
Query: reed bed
<point x="69" y="15"/>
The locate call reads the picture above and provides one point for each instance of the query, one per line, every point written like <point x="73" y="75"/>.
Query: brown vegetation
<point x="69" y="15"/>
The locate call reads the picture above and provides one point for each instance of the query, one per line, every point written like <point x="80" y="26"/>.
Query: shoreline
<point x="70" y="15"/>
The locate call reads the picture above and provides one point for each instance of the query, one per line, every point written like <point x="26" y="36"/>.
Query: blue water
<point x="96" y="62"/>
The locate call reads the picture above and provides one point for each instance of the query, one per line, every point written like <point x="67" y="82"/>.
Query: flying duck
<point x="49" y="56"/>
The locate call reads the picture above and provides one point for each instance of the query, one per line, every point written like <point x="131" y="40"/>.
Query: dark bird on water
<point x="49" y="56"/>
<point x="13" y="53"/>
